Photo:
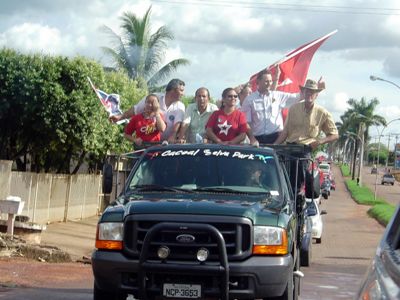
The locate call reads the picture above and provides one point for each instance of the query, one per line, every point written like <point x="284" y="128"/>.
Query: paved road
<point x="349" y="241"/>
<point x="390" y="193"/>
<point x="338" y="264"/>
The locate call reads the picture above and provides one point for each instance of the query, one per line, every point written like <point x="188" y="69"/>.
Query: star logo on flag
<point x="224" y="127"/>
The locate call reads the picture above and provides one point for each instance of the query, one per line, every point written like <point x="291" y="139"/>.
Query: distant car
<point x="315" y="215"/>
<point x="374" y="170"/>
<point x="382" y="280"/>
<point x="306" y="242"/>
<point x="388" y="178"/>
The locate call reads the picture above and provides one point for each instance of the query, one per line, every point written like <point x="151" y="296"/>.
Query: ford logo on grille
<point x="185" y="238"/>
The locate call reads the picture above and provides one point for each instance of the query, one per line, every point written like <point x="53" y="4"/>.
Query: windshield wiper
<point x="158" y="187"/>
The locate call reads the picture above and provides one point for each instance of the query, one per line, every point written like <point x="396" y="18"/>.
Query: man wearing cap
<point x="170" y="105"/>
<point x="306" y="120"/>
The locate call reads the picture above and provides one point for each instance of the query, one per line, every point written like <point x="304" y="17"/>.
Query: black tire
<point x="318" y="240"/>
<point x="99" y="294"/>
<point x="312" y="184"/>
<point x="305" y="258"/>
<point x="325" y="196"/>
<point x="107" y="179"/>
<point x="392" y="183"/>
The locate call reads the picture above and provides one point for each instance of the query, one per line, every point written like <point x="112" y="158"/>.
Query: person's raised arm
<point x="160" y="123"/>
<point x="275" y="80"/>
<point x="125" y="115"/>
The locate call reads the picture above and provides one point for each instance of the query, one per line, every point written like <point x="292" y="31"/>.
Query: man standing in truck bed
<point x="304" y="123"/>
<point x="306" y="120"/>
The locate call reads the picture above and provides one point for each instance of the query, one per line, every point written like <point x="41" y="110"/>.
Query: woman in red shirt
<point x="147" y="126"/>
<point x="227" y="125"/>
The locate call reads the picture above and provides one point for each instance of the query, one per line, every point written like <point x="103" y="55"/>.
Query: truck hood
<point x="257" y="211"/>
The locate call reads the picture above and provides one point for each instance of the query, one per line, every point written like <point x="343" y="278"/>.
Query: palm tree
<point x="140" y="53"/>
<point x="361" y="114"/>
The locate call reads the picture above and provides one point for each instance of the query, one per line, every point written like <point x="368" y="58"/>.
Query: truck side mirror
<point x="107" y="179"/>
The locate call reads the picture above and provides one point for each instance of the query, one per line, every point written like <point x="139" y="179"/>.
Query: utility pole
<point x="395" y="154"/>
<point x="387" y="158"/>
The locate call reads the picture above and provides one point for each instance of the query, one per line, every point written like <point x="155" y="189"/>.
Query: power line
<point x="291" y="7"/>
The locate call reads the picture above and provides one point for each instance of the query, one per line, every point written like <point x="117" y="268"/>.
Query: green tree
<point x="50" y="116"/>
<point x="359" y="113"/>
<point x="141" y="53"/>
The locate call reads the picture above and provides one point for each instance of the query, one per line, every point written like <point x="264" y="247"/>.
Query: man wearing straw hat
<point x="306" y="120"/>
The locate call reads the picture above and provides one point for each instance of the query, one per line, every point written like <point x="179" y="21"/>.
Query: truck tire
<point x="312" y="184"/>
<point x="99" y="294"/>
<point x="107" y="179"/>
<point x="305" y="257"/>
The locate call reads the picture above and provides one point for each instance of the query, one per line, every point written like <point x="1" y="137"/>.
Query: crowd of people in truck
<point x="243" y="116"/>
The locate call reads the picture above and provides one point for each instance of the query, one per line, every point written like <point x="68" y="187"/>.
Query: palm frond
<point x="166" y="70"/>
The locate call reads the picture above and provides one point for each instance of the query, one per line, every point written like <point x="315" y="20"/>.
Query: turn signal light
<point x="108" y="245"/>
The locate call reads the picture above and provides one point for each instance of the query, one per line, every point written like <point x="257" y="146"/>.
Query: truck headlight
<point x="109" y="236"/>
<point x="270" y="240"/>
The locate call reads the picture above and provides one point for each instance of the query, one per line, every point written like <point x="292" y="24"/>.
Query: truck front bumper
<point x="255" y="277"/>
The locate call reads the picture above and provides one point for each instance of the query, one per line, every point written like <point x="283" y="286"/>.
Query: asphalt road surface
<point x="338" y="264"/>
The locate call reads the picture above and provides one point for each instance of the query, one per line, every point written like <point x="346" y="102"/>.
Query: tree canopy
<point x="49" y="115"/>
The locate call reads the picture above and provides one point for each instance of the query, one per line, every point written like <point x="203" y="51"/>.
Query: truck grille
<point x="235" y="231"/>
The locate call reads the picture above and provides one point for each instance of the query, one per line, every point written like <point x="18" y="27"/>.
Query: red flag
<point x="294" y="66"/>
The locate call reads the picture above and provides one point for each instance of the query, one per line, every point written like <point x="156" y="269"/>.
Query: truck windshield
<point x="203" y="169"/>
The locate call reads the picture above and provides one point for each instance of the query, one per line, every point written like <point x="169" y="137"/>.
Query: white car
<point x="315" y="214"/>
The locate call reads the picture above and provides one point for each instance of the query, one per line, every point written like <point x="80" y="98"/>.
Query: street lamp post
<point x="374" y="78"/>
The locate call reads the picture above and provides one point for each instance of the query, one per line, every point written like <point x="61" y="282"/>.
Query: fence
<point x="52" y="197"/>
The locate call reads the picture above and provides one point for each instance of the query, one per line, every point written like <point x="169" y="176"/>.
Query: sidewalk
<point x="75" y="237"/>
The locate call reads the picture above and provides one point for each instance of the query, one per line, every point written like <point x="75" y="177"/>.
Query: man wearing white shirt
<point x="263" y="109"/>
<point x="170" y="105"/>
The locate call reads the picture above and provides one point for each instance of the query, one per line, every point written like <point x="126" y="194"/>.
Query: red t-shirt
<point x="145" y="129"/>
<point x="227" y="127"/>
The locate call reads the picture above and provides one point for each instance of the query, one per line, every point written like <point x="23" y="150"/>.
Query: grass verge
<point x="345" y="170"/>
<point x="380" y="210"/>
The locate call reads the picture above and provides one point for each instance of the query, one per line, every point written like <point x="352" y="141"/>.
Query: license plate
<point x="191" y="291"/>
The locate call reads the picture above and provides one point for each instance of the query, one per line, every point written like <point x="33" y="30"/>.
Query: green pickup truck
<point x="202" y="222"/>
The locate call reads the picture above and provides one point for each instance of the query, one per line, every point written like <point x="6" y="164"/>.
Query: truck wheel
<point x="318" y="240"/>
<point x="312" y="184"/>
<point x="305" y="258"/>
<point x="106" y="295"/>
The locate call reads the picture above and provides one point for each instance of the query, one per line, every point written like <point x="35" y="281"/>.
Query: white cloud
<point x="29" y="37"/>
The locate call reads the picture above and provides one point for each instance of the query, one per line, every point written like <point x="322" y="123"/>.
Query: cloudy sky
<point x="227" y="41"/>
